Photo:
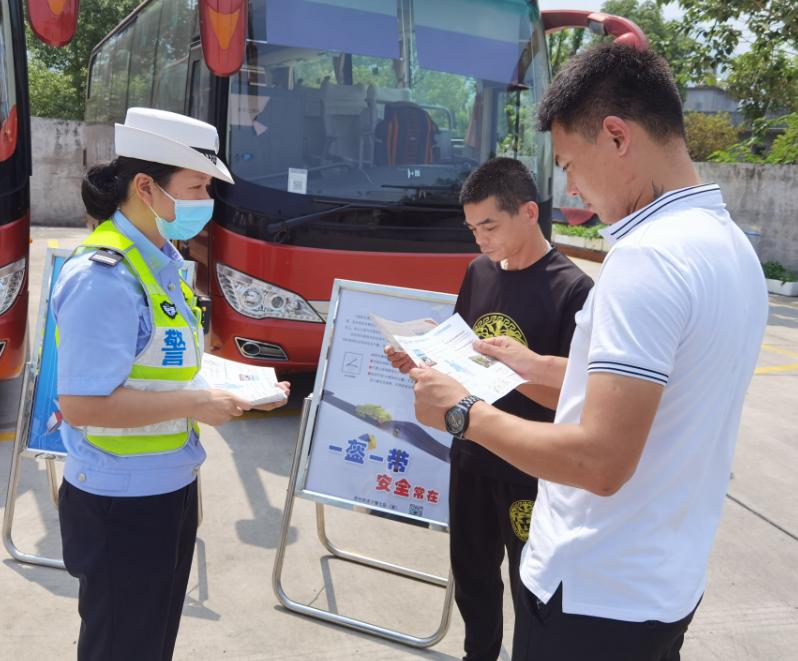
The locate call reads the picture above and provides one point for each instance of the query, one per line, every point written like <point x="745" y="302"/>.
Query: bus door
<point x="14" y="194"/>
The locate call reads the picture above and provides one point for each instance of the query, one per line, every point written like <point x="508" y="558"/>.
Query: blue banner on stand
<point x="46" y="419"/>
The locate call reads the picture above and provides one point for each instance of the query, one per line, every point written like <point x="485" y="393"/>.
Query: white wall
<point x="57" y="148"/>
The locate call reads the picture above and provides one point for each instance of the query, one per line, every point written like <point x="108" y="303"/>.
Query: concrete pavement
<point x="750" y="610"/>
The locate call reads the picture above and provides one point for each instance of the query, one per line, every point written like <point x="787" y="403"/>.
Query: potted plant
<point x="579" y="236"/>
<point x="779" y="279"/>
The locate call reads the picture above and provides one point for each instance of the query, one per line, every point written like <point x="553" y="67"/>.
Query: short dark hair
<point x="105" y="185"/>
<point x="506" y="179"/>
<point x="614" y="79"/>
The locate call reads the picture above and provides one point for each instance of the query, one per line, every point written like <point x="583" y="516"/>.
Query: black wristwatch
<point x="456" y="418"/>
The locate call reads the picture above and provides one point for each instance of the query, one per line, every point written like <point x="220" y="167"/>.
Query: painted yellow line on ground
<point x="7" y="435"/>
<point x="774" y="349"/>
<point x="52" y="243"/>
<point x="774" y="369"/>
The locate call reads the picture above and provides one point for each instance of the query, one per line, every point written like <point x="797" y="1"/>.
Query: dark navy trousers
<point x="132" y="556"/>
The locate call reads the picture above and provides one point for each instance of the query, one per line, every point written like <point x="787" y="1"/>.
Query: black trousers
<point x="132" y="557"/>
<point x="544" y="633"/>
<point x="486" y="516"/>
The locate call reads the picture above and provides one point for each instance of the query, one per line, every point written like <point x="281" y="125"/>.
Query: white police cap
<point x="167" y="137"/>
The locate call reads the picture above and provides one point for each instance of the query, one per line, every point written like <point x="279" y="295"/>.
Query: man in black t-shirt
<point x="523" y="288"/>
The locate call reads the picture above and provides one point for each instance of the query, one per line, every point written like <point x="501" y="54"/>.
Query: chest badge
<point x="495" y="324"/>
<point x="170" y="310"/>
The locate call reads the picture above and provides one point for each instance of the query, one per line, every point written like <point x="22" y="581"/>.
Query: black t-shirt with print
<point x="536" y="306"/>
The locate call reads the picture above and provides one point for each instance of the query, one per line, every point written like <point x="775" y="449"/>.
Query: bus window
<point x="391" y="120"/>
<point x="8" y="118"/>
<point x="120" y="61"/>
<point x="142" y="56"/>
<point x="200" y="92"/>
<point x="97" y="104"/>
<point x="171" y="62"/>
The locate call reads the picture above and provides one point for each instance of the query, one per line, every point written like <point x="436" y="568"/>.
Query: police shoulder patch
<point x="107" y="257"/>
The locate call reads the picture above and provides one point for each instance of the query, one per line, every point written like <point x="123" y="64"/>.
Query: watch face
<point x="455" y="420"/>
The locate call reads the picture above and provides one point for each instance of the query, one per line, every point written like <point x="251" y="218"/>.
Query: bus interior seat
<point x="406" y="135"/>
<point x="274" y="141"/>
<point x="313" y="146"/>
<point x="342" y="109"/>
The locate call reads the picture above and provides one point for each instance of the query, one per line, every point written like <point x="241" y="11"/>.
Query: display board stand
<point x="360" y="447"/>
<point x="337" y="618"/>
<point x="32" y="440"/>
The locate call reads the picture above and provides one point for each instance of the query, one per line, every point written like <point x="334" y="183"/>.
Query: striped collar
<point x="616" y="231"/>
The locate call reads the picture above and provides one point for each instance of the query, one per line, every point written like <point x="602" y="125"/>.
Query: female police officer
<point x="129" y="344"/>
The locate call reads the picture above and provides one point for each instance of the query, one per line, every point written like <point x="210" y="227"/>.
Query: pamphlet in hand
<point x="254" y="384"/>
<point x="391" y="329"/>
<point x="449" y="349"/>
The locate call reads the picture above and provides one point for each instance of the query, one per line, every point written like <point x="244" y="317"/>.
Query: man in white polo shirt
<point x="634" y="470"/>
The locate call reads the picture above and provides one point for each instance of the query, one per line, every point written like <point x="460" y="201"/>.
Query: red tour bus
<point x="54" y="23"/>
<point x="15" y="162"/>
<point x="350" y="126"/>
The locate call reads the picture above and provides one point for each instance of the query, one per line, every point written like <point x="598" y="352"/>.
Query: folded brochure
<point x="448" y="348"/>
<point x="254" y="384"/>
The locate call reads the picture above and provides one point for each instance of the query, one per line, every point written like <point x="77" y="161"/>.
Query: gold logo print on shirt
<point x="495" y="324"/>
<point x="521" y="518"/>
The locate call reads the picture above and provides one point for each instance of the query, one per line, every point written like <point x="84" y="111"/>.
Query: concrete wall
<point x="763" y="198"/>
<point x="760" y="197"/>
<point x="57" y="172"/>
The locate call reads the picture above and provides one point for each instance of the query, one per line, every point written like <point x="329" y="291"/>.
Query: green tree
<point x="764" y="82"/>
<point x="563" y="45"/>
<point x="50" y="93"/>
<point x="716" y="24"/>
<point x="707" y="134"/>
<point x="765" y="77"/>
<point x="58" y="80"/>
<point x="666" y="37"/>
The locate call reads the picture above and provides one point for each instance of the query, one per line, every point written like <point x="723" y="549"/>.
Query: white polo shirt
<point x="681" y="301"/>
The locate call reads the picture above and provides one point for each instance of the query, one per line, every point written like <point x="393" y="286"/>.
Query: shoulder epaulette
<point x="107" y="257"/>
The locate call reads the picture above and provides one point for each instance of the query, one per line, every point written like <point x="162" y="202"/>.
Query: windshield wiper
<point x="274" y="228"/>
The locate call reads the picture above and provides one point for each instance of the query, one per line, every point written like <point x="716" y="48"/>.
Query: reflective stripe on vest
<point x="169" y="361"/>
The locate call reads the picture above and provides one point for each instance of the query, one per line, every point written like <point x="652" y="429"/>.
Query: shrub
<point x="591" y="232"/>
<point x="784" y="150"/>
<point x="776" y="271"/>
<point x="707" y="134"/>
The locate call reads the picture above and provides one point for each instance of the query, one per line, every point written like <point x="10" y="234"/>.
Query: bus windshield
<point x="385" y="100"/>
<point x="7" y="92"/>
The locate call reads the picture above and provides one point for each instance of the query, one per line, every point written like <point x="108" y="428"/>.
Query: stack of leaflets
<point x="449" y="349"/>
<point x="254" y="384"/>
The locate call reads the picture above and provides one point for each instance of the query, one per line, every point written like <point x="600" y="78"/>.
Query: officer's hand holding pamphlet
<point x="449" y="349"/>
<point x="254" y="384"/>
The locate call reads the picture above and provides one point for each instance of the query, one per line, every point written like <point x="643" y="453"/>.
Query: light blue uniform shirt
<point x="104" y="322"/>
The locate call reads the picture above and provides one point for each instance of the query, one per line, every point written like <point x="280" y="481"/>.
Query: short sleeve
<point x="573" y="302"/>
<point x="641" y="308"/>
<point x="463" y="303"/>
<point x="95" y="310"/>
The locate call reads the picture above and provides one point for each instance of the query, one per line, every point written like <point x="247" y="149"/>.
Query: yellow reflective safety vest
<point x="169" y="361"/>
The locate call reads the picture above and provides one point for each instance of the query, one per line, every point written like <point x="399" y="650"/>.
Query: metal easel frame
<point x="336" y="618"/>
<point x="27" y="392"/>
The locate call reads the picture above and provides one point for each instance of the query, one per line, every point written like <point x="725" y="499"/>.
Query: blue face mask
<point x="190" y="217"/>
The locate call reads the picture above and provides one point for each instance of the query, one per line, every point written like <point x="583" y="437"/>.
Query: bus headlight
<point x="11" y="278"/>
<point x="260" y="300"/>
